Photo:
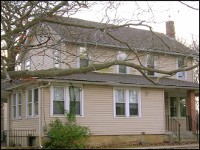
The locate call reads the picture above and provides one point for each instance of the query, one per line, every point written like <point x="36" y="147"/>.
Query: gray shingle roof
<point x="126" y="79"/>
<point x="137" y="38"/>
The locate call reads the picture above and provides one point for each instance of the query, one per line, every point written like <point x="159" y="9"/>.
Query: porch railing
<point x="195" y="123"/>
<point x="173" y="125"/>
<point x="18" y="137"/>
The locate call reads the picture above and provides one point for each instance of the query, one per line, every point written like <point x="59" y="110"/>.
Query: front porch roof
<point x="116" y="79"/>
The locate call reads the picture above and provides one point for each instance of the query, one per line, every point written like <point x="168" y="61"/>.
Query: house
<point x="118" y="104"/>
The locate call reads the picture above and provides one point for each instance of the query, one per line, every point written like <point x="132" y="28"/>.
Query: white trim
<point x="126" y="90"/>
<point x="16" y="105"/>
<point x="155" y="65"/>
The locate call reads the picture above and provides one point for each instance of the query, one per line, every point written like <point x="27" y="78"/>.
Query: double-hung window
<point x="122" y="68"/>
<point x="58" y="100"/>
<point x="17" y="105"/>
<point x="32" y="102"/>
<point x="182" y="74"/>
<point x="66" y="99"/>
<point x="150" y="64"/>
<point x="56" y="58"/>
<point x="83" y="57"/>
<point x="126" y="102"/>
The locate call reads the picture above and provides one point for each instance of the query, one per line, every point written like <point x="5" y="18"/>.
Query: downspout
<point x="40" y="112"/>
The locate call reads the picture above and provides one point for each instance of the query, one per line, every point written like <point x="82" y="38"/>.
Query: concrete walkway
<point x="184" y="146"/>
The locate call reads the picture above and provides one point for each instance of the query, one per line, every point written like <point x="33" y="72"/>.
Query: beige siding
<point x="99" y="117"/>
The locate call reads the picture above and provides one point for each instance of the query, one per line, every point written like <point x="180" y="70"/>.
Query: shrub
<point x="69" y="135"/>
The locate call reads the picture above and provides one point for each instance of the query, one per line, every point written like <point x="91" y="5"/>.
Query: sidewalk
<point x="184" y="146"/>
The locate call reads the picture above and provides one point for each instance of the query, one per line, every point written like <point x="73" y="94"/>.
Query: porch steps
<point x="184" y="137"/>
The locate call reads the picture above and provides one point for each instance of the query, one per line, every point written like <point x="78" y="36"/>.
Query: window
<point x="32" y="102"/>
<point x="17" y="105"/>
<point x="122" y="68"/>
<point x="56" y="58"/>
<point x="150" y="64"/>
<point x="65" y="99"/>
<point x="182" y="74"/>
<point x="173" y="107"/>
<point x="75" y="100"/>
<point x="27" y="65"/>
<point x="177" y="106"/>
<point x="83" y="57"/>
<point x="126" y="102"/>
<point x="182" y="107"/>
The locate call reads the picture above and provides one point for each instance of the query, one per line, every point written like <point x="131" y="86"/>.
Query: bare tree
<point x="29" y="19"/>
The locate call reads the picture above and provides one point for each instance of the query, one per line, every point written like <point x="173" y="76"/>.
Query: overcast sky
<point x="186" y="20"/>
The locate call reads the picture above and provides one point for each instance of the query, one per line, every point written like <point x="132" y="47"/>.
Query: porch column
<point x="191" y="109"/>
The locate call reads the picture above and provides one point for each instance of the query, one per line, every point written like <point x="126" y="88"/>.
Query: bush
<point x="69" y="135"/>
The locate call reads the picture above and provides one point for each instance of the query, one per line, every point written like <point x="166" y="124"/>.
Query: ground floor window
<point x="177" y="106"/>
<point x="127" y="102"/>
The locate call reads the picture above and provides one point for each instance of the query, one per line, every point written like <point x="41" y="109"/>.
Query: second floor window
<point x="56" y="58"/>
<point x="150" y="64"/>
<point x="182" y="74"/>
<point x="83" y="57"/>
<point x="27" y="65"/>
<point x="122" y="68"/>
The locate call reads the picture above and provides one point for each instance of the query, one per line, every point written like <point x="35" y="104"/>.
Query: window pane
<point x="74" y="93"/>
<point x="58" y="107"/>
<point x="180" y="62"/>
<point x="133" y="108"/>
<point x="30" y="96"/>
<point x="58" y="93"/>
<point x="19" y="110"/>
<point x="14" y="111"/>
<point x="133" y="97"/>
<point x="14" y="99"/>
<point x="150" y="72"/>
<point x="120" y="109"/>
<point x="30" y="109"/>
<point x="173" y="107"/>
<point x="84" y="62"/>
<point x="182" y="107"/>
<point x="19" y="98"/>
<point x="120" y="97"/>
<point x="36" y="95"/>
<point x="75" y="107"/>
<point x="36" y="108"/>
<point x="122" y="69"/>
<point x="150" y="60"/>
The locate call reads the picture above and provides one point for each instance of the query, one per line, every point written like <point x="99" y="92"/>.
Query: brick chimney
<point x="170" y="30"/>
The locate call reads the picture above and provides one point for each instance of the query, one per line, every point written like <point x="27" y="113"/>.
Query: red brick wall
<point x="191" y="107"/>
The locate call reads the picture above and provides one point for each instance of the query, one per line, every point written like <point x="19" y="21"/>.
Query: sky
<point x="186" y="20"/>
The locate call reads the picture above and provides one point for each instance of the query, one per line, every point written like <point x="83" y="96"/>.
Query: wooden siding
<point x="98" y="112"/>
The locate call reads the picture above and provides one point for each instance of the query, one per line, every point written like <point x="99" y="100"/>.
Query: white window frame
<point x="78" y="56"/>
<point x="66" y="99"/>
<point x="177" y="74"/>
<point x="26" y="67"/>
<point x="127" y="70"/>
<point x="127" y="110"/>
<point x="119" y="58"/>
<point x="17" y="116"/>
<point x="155" y="65"/>
<point x="56" y="63"/>
<point x="33" y="115"/>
